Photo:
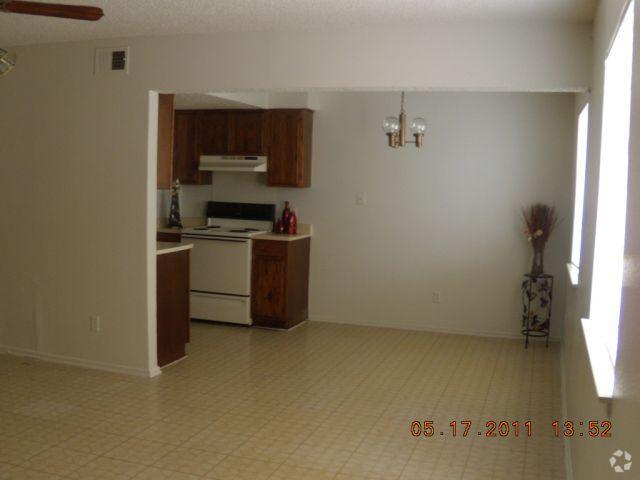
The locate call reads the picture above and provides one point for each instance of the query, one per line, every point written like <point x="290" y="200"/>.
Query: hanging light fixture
<point x="7" y="62"/>
<point x="395" y="128"/>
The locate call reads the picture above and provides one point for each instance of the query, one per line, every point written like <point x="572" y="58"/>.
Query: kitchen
<point x="245" y="267"/>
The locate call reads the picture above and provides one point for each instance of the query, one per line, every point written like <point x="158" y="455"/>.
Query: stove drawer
<point x="269" y="248"/>
<point x="220" y="308"/>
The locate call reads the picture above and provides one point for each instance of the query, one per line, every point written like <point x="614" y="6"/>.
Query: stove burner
<point x="211" y="227"/>
<point x="243" y="230"/>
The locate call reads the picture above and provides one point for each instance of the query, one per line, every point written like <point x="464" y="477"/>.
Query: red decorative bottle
<point x="286" y="213"/>
<point x="293" y="223"/>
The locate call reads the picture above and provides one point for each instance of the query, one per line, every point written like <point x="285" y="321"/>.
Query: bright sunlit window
<point x="601" y="328"/>
<point x="581" y="166"/>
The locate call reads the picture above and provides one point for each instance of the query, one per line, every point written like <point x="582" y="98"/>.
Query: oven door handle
<point x="217" y="239"/>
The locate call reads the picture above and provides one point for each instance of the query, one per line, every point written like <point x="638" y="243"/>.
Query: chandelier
<point x="395" y="128"/>
<point x="7" y="62"/>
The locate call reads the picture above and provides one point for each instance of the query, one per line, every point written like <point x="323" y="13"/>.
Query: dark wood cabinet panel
<point x="280" y="283"/>
<point x="214" y="136"/>
<point x="172" y="306"/>
<point x="268" y="288"/>
<point x="165" y="140"/>
<point x="186" y="149"/>
<point x="289" y="138"/>
<point x="284" y="135"/>
<point x="168" y="237"/>
<point x="246" y="132"/>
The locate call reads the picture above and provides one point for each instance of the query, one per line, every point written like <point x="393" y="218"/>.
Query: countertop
<point x="305" y="230"/>
<point x="281" y="237"/>
<point x="163" y="248"/>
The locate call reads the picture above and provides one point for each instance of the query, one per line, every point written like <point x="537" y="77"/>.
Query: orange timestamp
<point x="465" y="428"/>
<point x="591" y="428"/>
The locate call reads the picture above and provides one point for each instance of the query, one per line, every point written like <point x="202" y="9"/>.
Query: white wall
<point x="79" y="209"/>
<point x="589" y="458"/>
<point x="441" y="219"/>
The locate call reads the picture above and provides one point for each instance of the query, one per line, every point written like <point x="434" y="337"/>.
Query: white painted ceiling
<point x="125" y="18"/>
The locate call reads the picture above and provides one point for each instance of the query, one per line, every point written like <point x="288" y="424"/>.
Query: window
<point x="601" y="329"/>
<point x="581" y="166"/>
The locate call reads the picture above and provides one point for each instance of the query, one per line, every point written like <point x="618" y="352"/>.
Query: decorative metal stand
<point x="537" y="296"/>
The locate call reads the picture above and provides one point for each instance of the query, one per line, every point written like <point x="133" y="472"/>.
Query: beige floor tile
<point x="20" y="473"/>
<point x="59" y="461"/>
<point x="140" y="451"/>
<point x="106" y="469"/>
<point x="290" y="472"/>
<point x="242" y="468"/>
<point x="16" y="451"/>
<point x="321" y="402"/>
<point x="172" y="433"/>
<point x="152" y="473"/>
<point x="95" y="442"/>
<point x="124" y="425"/>
<point x="189" y="460"/>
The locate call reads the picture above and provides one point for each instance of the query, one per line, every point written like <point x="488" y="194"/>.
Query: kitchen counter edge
<point x="163" y="248"/>
<point x="281" y="237"/>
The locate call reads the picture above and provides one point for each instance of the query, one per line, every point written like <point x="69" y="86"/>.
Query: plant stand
<point x="537" y="297"/>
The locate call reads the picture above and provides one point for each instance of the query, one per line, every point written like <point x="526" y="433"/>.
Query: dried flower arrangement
<point x="540" y="221"/>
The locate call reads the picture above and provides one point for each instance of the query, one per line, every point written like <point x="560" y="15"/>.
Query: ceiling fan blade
<point x="75" y="12"/>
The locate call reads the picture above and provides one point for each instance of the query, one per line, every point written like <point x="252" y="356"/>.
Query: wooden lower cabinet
<point x="280" y="283"/>
<point x="173" y="306"/>
<point x="168" y="237"/>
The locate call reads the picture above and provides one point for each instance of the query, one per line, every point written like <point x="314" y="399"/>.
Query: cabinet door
<point x="172" y="306"/>
<point x="289" y="140"/>
<point x="213" y="132"/>
<point x="268" y="292"/>
<point x="246" y="133"/>
<point x="186" y="150"/>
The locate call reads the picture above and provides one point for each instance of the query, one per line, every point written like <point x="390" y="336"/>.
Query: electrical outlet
<point x="361" y="198"/>
<point x="94" y="323"/>
<point x="435" y="297"/>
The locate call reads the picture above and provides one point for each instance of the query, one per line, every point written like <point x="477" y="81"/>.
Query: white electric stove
<point x="221" y="260"/>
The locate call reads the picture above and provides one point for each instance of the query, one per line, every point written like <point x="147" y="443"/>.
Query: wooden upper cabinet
<point x="289" y="135"/>
<point x="284" y="135"/>
<point x="214" y="135"/>
<point x="165" y="140"/>
<point x="246" y="132"/>
<point x="186" y="149"/>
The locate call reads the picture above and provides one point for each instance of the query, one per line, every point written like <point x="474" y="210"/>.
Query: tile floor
<point x="321" y="402"/>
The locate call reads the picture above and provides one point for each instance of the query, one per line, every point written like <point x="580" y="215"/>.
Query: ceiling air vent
<point x="114" y="60"/>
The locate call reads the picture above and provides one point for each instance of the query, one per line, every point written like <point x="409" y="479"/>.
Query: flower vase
<point x="537" y="266"/>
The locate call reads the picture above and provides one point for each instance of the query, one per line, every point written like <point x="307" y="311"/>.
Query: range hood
<point x="233" y="163"/>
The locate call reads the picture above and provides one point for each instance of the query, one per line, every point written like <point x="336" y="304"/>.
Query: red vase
<point x="286" y="213"/>
<point x="293" y="224"/>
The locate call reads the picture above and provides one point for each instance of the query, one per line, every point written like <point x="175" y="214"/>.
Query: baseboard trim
<point x="424" y="328"/>
<point x="80" y="362"/>
<point x="568" y="464"/>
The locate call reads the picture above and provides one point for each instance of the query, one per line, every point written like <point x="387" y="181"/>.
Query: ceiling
<point x="125" y="18"/>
